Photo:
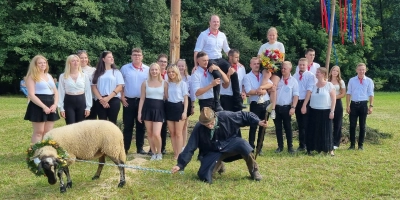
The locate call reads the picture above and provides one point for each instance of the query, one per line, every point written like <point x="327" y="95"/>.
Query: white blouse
<point x="72" y="87"/>
<point x="337" y="87"/>
<point x="177" y="91"/>
<point x="320" y="97"/>
<point x="107" y="82"/>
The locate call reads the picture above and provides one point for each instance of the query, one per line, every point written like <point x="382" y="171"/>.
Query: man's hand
<point x="348" y="109"/>
<point x="124" y="102"/>
<point x="216" y="82"/>
<point x="175" y="169"/>
<point x="263" y="123"/>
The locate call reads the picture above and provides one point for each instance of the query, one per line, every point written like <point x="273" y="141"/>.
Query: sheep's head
<point x="49" y="165"/>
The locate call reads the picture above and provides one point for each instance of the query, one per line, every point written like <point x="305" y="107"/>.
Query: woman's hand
<point x="53" y="108"/>
<point x="331" y="115"/>
<point x="184" y="116"/>
<point x="303" y="110"/>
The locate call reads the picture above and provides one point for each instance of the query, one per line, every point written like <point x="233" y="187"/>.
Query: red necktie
<point x="138" y="68"/>
<point x="309" y="66"/>
<point x="286" y="80"/>
<point x="360" y="80"/>
<point x="258" y="77"/>
<point x="234" y="66"/>
<point x="163" y="74"/>
<point x="301" y="75"/>
<point x="205" y="73"/>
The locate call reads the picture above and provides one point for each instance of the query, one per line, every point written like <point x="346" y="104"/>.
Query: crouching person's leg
<point x="207" y="165"/>
<point x="252" y="166"/>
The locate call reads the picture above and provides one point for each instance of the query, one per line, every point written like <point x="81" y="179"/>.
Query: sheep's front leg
<point x="102" y="159"/>
<point x="121" y="171"/>
<point x="69" y="181"/>
<point x="59" y="174"/>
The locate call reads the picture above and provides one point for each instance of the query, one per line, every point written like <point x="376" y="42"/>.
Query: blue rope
<point x="128" y="166"/>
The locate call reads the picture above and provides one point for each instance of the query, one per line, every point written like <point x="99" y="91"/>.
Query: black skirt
<point x="319" y="136"/>
<point x="153" y="110"/>
<point x="174" y="111"/>
<point x="34" y="113"/>
<point x="189" y="108"/>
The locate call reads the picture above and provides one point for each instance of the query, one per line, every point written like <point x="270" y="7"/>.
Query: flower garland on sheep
<point x="61" y="153"/>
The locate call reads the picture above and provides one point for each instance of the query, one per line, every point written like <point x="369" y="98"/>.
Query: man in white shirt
<point x="134" y="74"/>
<point x="359" y="90"/>
<point x="203" y="82"/>
<point x="212" y="42"/>
<point x="286" y="101"/>
<point x="252" y="86"/>
<point x="312" y="66"/>
<point x="306" y="82"/>
<point x="231" y="97"/>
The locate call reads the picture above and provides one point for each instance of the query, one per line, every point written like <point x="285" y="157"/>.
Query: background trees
<point x="57" y="28"/>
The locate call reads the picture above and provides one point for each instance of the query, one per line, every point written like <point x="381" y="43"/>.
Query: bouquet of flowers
<point x="270" y="58"/>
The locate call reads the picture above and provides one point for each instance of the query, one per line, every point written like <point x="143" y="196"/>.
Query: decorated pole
<point x="331" y="24"/>
<point x="175" y="34"/>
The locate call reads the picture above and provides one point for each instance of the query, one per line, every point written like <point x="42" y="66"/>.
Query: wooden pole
<point x="175" y="32"/>
<point x="332" y="21"/>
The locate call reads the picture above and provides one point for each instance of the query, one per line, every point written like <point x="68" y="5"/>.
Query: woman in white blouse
<point x="75" y="95"/>
<point x="107" y="84"/>
<point x="176" y="108"/>
<point x="88" y="70"/>
<point x="322" y="103"/>
<point x="336" y="79"/>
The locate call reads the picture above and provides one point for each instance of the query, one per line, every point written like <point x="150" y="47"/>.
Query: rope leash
<point x="126" y="166"/>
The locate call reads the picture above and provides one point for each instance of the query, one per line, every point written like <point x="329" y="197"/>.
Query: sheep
<point x="85" y="140"/>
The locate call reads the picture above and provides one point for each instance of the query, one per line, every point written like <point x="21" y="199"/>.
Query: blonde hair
<point x="80" y="52"/>
<point x="361" y="64"/>
<point x="185" y="72"/>
<point x="272" y="29"/>
<point x="67" y="70"/>
<point x="339" y="76"/>
<point x="175" y="69"/>
<point x="323" y="70"/>
<point x="159" y="71"/>
<point x="287" y="63"/>
<point x="33" y="70"/>
<point x="303" y="60"/>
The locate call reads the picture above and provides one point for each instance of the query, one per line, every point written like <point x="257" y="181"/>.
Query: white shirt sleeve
<point x="88" y="93"/>
<point x="61" y="92"/>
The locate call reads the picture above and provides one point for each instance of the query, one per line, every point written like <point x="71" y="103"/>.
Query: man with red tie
<point x="359" y="90"/>
<point x="311" y="66"/>
<point x="286" y="101"/>
<point x="230" y="94"/>
<point x="306" y="81"/>
<point x="212" y="42"/>
<point x="134" y="75"/>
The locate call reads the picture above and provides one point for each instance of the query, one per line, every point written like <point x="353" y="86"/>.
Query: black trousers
<point x="260" y="110"/>
<point x="74" y="106"/>
<point x="302" y="122"/>
<point x="93" y="111"/>
<point x="224" y="66"/>
<point x="228" y="104"/>
<point x="283" y="117"/>
<point x="206" y="103"/>
<point x="129" y="117"/>
<point x="337" y="123"/>
<point x="358" y="110"/>
<point x="111" y="113"/>
<point x="164" y="135"/>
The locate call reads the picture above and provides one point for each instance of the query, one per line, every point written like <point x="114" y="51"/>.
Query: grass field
<point x="372" y="173"/>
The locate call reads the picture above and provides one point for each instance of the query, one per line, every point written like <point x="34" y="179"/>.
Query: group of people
<point x="158" y="96"/>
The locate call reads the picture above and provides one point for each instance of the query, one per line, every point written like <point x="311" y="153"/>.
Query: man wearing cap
<point x="217" y="137"/>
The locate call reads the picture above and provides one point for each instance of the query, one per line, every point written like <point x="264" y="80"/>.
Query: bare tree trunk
<point x="329" y="50"/>
<point x="175" y="34"/>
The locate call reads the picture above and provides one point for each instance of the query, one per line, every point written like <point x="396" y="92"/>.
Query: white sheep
<point x="85" y="140"/>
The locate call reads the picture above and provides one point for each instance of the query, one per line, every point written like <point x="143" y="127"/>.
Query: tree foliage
<point x="58" y="28"/>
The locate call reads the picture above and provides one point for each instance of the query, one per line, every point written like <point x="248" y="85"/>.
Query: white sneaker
<point x="335" y="147"/>
<point x="159" y="156"/>
<point x="273" y="114"/>
<point x="260" y="99"/>
<point x="153" y="157"/>
<point x="183" y="148"/>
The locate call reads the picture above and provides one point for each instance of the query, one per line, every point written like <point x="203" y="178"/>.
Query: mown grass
<point x="372" y="173"/>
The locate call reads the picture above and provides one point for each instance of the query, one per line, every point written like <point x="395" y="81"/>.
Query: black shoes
<point x="278" y="150"/>
<point x="352" y="147"/>
<point x="218" y="106"/>
<point x="360" y="147"/>
<point x="141" y="151"/>
<point x="301" y="149"/>
<point x="163" y="151"/>
<point x="291" y="150"/>
<point x="255" y="175"/>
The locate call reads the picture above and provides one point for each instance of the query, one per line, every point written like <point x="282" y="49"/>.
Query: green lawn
<point x="372" y="173"/>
